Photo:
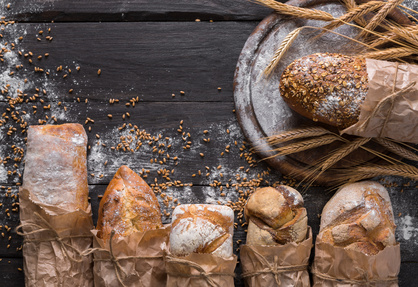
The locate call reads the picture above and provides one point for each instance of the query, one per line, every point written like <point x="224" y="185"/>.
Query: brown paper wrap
<point x="200" y="270"/>
<point x="337" y="266"/>
<point x="391" y="105"/>
<point x="138" y="259"/>
<point x="281" y="265"/>
<point x="53" y="243"/>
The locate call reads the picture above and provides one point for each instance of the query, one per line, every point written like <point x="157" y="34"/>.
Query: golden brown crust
<point x="326" y="87"/>
<point x="57" y="156"/>
<point x="366" y="227"/>
<point x="128" y="205"/>
<point x="275" y="216"/>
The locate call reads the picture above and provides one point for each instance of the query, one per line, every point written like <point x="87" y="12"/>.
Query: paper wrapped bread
<point x="276" y="216"/>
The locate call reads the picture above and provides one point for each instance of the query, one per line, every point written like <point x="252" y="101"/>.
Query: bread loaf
<point x="202" y="228"/>
<point x="56" y="166"/>
<point x="128" y="205"/>
<point x="328" y="88"/>
<point x="275" y="216"/>
<point x="360" y="217"/>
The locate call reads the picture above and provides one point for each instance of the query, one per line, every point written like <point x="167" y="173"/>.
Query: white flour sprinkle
<point x="407" y="229"/>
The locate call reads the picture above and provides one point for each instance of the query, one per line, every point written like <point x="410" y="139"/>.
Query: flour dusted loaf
<point x="128" y="205"/>
<point x="202" y="228"/>
<point x="325" y="87"/>
<point x="56" y="166"/>
<point x="359" y="217"/>
<point x="276" y="216"/>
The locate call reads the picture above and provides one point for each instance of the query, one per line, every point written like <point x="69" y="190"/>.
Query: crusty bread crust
<point x="202" y="228"/>
<point x="56" y="166"/>
<point x="360" y="217"/>
<point x="128" y="205"/>
<point x="276" y="216"/>
<point x="325" y="87"/>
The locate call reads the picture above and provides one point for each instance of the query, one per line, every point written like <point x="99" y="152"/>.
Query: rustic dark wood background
<point x="146" y="50"/>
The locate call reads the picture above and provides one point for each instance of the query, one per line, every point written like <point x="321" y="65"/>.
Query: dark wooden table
<point x="166" y="69"/>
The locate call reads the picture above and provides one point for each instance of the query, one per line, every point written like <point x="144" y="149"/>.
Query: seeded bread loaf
<point x="328" y="88"/>
<point x="276" y="216"/>
<point x="359" y="217"/>
<point x="202" y="228"/>
<point x="128" y="205"/>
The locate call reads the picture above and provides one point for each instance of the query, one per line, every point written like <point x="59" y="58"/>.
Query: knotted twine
<point x="115" y="260"/>
<point x="365" y="282"/>
<point x="274" y="268"/>
<point x="207" y="276"/>
<point x="37" y="229"/>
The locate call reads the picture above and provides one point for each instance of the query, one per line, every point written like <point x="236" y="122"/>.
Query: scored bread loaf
<point x="56" y="166"/>
<point x="359" y="217"/>
<point x="276" y="216"/>
<point x="326" y="87"/>
<point x="128" y="205"/>
<point x="202" y="228"/>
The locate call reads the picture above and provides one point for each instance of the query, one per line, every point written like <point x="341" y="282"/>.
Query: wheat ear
<point x="397" y="149"/>
<point x="298" y="12"/>
<point x="388" y="54"/>
<point x="351" y="5"/>
<point x="284" y="46"/>
<point x="297" y="134"/>
<point x="380" y="16"/>
<point x="304" y="145"/>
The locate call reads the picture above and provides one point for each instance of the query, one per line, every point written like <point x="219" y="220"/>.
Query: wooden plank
<point x="138" y="10"/>
<point x="150" y="61"/>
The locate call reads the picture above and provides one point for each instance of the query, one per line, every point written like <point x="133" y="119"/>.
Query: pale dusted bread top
<point x="128" y="205"/>
<point x="202" y="228"/>
<point x="326" y="87"/>
<point x="275" y="216"/>
<point x="56" y="166"/>
<point x="359" y="216"/>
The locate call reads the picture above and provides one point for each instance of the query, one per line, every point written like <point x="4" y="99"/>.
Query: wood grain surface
<point x="147" y="51"/>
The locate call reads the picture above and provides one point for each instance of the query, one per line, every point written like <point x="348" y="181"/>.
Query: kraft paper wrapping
<point x="383" y="113"/>
<point x="140" y="256"/>
<point x="339" y="267"/>
<point x="200" y="270"/>
<point x="281" y="265"/>
<point x="56" y="232"/>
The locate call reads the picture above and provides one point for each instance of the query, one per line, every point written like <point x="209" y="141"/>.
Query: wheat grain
<point x="397" y="149"/>
<point x="297" y="134"/>
<point x="351" y="5"/>
<point x="284" y="46"/>
<point x="298" y="12"/>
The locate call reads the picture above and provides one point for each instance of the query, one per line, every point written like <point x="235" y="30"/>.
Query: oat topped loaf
<point x="326" y="87"/>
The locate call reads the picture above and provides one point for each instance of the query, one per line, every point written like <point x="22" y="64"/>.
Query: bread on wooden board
<point x="326" y="87"/>
<point x="128" y="205"/>
<point x="276" y="216"/>
<point x="360" y="217"/>
<point x="56" y="166"/>
<point x="202" y="228"/>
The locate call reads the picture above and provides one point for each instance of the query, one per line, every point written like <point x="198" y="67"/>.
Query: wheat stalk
<point x="304" y="145"/>
<point x="388" y="54"/>
<point x="297" y="134"/>
<point x="397" y="149"/>
<point x="284" y="46"/>
<point x="298" y="12"/>
<point x="380" y="16"/>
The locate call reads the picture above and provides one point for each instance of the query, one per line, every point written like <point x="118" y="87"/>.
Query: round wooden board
<point x="260" y="109"/>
